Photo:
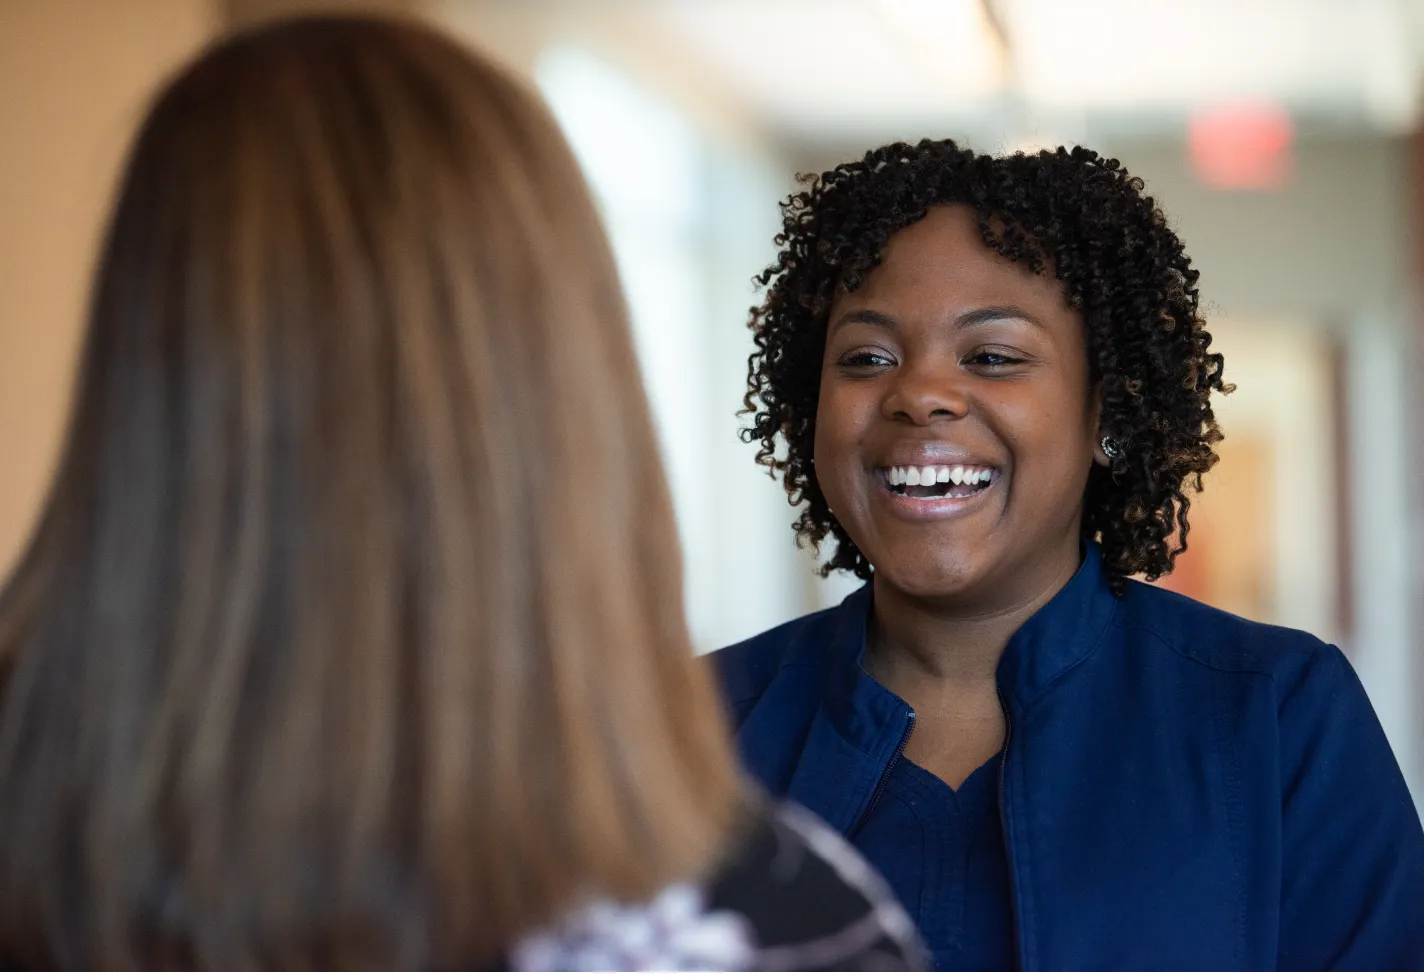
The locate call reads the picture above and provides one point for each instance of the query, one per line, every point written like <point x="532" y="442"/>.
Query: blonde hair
<point x="352" y="632"/>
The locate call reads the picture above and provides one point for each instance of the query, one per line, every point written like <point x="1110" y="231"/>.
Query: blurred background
<point x="1282" y="137"/>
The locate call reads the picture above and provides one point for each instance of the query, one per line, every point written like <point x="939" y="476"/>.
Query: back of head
<point x="351" y="634"/>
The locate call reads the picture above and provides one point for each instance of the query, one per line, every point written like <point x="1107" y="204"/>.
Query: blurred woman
<point x="351" y="632"/>
<point x="987" y="383"/>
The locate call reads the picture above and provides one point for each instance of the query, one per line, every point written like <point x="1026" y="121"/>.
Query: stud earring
<point x="1110" y="447"/>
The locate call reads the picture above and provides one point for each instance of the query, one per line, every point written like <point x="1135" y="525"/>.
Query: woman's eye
<point x="991" y="358"/>
<point x="865" y="358"/>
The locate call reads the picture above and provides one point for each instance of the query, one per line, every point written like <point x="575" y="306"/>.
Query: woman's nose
<point x="923" y="395"/>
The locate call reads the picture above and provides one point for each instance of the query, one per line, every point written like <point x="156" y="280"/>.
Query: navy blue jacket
<point x="1180" y="788"/>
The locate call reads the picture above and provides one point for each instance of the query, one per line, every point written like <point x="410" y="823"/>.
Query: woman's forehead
<point x="942" y="262"/>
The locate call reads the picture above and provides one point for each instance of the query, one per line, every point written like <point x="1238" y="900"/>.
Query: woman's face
<point x="953" y="364"/>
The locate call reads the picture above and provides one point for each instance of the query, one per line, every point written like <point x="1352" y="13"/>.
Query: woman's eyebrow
<point x="967" y="320"/>
<point x="867" y="317"/>
<point x="993" y="314"/>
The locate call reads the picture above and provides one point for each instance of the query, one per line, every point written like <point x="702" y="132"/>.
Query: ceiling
<point x="831" y="72"/>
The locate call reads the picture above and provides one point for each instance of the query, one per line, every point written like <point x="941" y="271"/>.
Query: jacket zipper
<point x="1004" y="828"/>
<point x="885" y="774"/>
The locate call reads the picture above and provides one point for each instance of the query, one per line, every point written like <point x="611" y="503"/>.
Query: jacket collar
<point x="1061" y="634"/>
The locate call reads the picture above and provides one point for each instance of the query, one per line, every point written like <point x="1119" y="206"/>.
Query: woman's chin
<point x="939" y="581"/>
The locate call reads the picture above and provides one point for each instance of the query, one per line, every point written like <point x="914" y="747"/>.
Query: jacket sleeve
<point x="1352" y="849"/>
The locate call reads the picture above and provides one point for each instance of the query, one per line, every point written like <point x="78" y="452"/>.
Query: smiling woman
<point x="986" y="382"/>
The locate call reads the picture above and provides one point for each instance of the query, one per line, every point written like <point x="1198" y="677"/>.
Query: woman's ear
<point x="1101" y="440"/>
<point x="1100" y="447"/>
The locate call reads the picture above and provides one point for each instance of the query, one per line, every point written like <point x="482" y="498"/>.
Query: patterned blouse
<point x="795" y="897"/>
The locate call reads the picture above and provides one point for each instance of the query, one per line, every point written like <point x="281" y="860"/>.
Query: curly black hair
<point x="1070" y="213"/>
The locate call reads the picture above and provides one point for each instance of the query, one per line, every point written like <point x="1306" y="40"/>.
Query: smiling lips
<point x="938" y="481"/>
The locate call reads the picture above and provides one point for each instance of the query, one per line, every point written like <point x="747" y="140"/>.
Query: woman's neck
<point x="915" y="643"/>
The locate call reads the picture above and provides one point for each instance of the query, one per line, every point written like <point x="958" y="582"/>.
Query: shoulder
<point x="1217" y="639"/>
<point x="1315" y="693"/>
<point x="791" y="895"/>
<point x="748" y="667"/>
<point x="813" y="901"/>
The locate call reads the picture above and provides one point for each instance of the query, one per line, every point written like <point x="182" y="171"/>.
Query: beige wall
<point x="244" y="13"/>
<point x="1330" y="245"/>
<point x="74" y="78"/>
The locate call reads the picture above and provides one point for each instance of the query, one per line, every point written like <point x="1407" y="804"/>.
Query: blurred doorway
<point x="1265" y="535"/>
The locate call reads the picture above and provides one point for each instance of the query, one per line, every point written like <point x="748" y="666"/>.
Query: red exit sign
<point x="1242" y="146"/>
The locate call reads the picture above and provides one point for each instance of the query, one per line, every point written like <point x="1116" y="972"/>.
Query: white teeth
<point x="928" y="475"/>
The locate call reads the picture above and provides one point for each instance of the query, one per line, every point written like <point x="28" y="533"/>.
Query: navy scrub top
<point x="942" y="851"/>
